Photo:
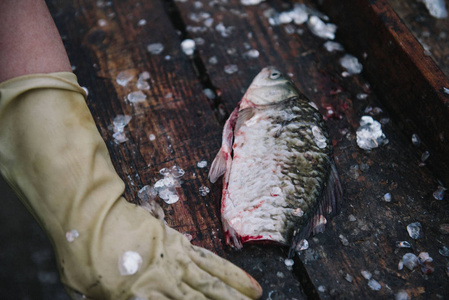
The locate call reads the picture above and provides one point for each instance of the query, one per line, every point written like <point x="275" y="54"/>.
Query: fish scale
<point x="280" y="180"/>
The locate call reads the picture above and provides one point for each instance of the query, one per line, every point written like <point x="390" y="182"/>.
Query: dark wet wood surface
<point x="104" y="38"/>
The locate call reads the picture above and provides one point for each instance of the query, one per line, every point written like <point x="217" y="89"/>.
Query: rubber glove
<point x="54" y="158"/>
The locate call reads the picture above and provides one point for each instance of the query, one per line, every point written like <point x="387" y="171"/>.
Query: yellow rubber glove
<point x="54" y="158"/>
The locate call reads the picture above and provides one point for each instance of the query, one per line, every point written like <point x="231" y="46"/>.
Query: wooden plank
<point x="430" y="31"/>
<point x="409" y="82"/>
<point x="366" y="176"/>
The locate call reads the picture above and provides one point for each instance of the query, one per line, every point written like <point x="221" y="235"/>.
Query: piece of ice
<point x="424" y="257"/>
<point x="102" y="22"/>
<point x="321" y="29"/>
<point x="348" y="277"/>
<point x="415" y="230"/>
<point x="223" y="30"/>
<point x="142" y="22"/>
<point x="351" y="64"/>
<point x="142" y="83"/>
<point x="231" y="69"/>
<point x="213" y="60"/>
<point x="177" y="172"/>
<point x="439" y="193"/>
<point x="403" y="244"/>
<point x="446" y="90"/>
<point x="366" y="274"/>
<point x="416" y="140"/>
<point x="352" y="218"/>
<point x="120" y="121"/>
<point x="437" y="8"/>
<point x="204" y="190"/>
<point x="332" y="46"/>
<point x="387" y="197"/>
<point x="201" y="164"/>
<point x="71" y="235"/>
<point x="302" y="245"/>
<point x="210" y="94"/>
<point x="401" y="295"/>
<point x="252" y="53"/>
<point x="251" y="2"/>
<point x="369" y="134"/>
<point x="374" y="285"/>
<point x="124" y="77"/>
<point x="147" y="193"/>
<point x="151" y="137"/>
<point x="299" y="14"/>
<point x="362" y="96"/>
<point x="129" y="263"/>
<point x="318" y="137"/>
<point x="119" y="137"/>
<point x="155" y="48"/>
<point x="289" y="262"/>
<point x="322" y="289"/>
<point x="136" y="97"/>
<point x="188" y="46"/>
<point x="343" y="240"/>
<point x="444" y="251"/>
<point x="410" y="260"/>
<point x="425" y="155"/>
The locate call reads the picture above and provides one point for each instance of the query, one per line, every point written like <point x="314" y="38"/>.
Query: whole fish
<point x="279" y="177"/>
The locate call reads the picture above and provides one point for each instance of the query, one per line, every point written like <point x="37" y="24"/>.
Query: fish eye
<point x="275" y="75"/>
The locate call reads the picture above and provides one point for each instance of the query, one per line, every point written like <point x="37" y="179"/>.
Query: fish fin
<point x="330" y="203"/>
<point x="232" y="237"/>
<point x="218" y="166"/>
<point x="244" y="115"/>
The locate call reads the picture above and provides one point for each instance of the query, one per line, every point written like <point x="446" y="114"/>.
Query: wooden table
<point x="104" y="38"/>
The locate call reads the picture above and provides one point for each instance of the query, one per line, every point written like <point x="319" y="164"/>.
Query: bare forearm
<point x="29" y="40"/>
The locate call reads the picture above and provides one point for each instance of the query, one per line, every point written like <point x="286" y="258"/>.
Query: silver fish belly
<point x="279" y="178"/>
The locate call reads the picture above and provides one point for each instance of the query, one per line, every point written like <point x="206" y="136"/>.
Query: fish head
<point x="269" y="87"/>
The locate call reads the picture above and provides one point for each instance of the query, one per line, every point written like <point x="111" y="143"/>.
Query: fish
<point x="279" y="178"/>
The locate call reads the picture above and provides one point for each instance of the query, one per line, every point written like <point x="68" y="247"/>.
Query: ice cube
<point x="231" y="69"/>
<point x="155" y="48"/>
<point x="321" y="29"/>
<point x="129" y="263"/>
<point x="135" y="97"/>
<point x="188" y="46"/>
<point x="71" y="235"/>
<point x="351" y="64"/>
<point x="415" y="230"/>
<point x="124" y="77"/>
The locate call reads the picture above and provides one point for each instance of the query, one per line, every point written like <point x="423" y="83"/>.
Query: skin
<point x="29" y="40"/>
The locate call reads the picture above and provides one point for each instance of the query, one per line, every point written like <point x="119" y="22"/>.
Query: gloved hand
<point x="54" y="158"/>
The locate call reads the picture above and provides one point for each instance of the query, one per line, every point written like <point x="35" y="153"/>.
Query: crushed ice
<point x="71" y="235"/>
<point x="437" y="8"/>
<point x="369" y="134"/>
<point x="415" y="230"/>
<point x="188" y="46"/>
<point x="147" y="196"/>
<point x="351" y="64"/>
<point x="332" y="46"/>
<point x="124" y="77"/>
<point x="321" y="29"/>
<point x="129" y="263"/>
<point x="387" y="197"/>
<point x="165" y="188"/>
<point x="439" y="193"/>
<point x="251" y="2"/>
<point x="142" y="83"/>
<point x="231" y="69"/>
<point x="119" y="123"/>
<point x="155" y="48"/>
<point x="201" y="164"/>
<point x="204" y="190"/>
<point x="136" y="97"/>
<point x="289" y="262"/>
